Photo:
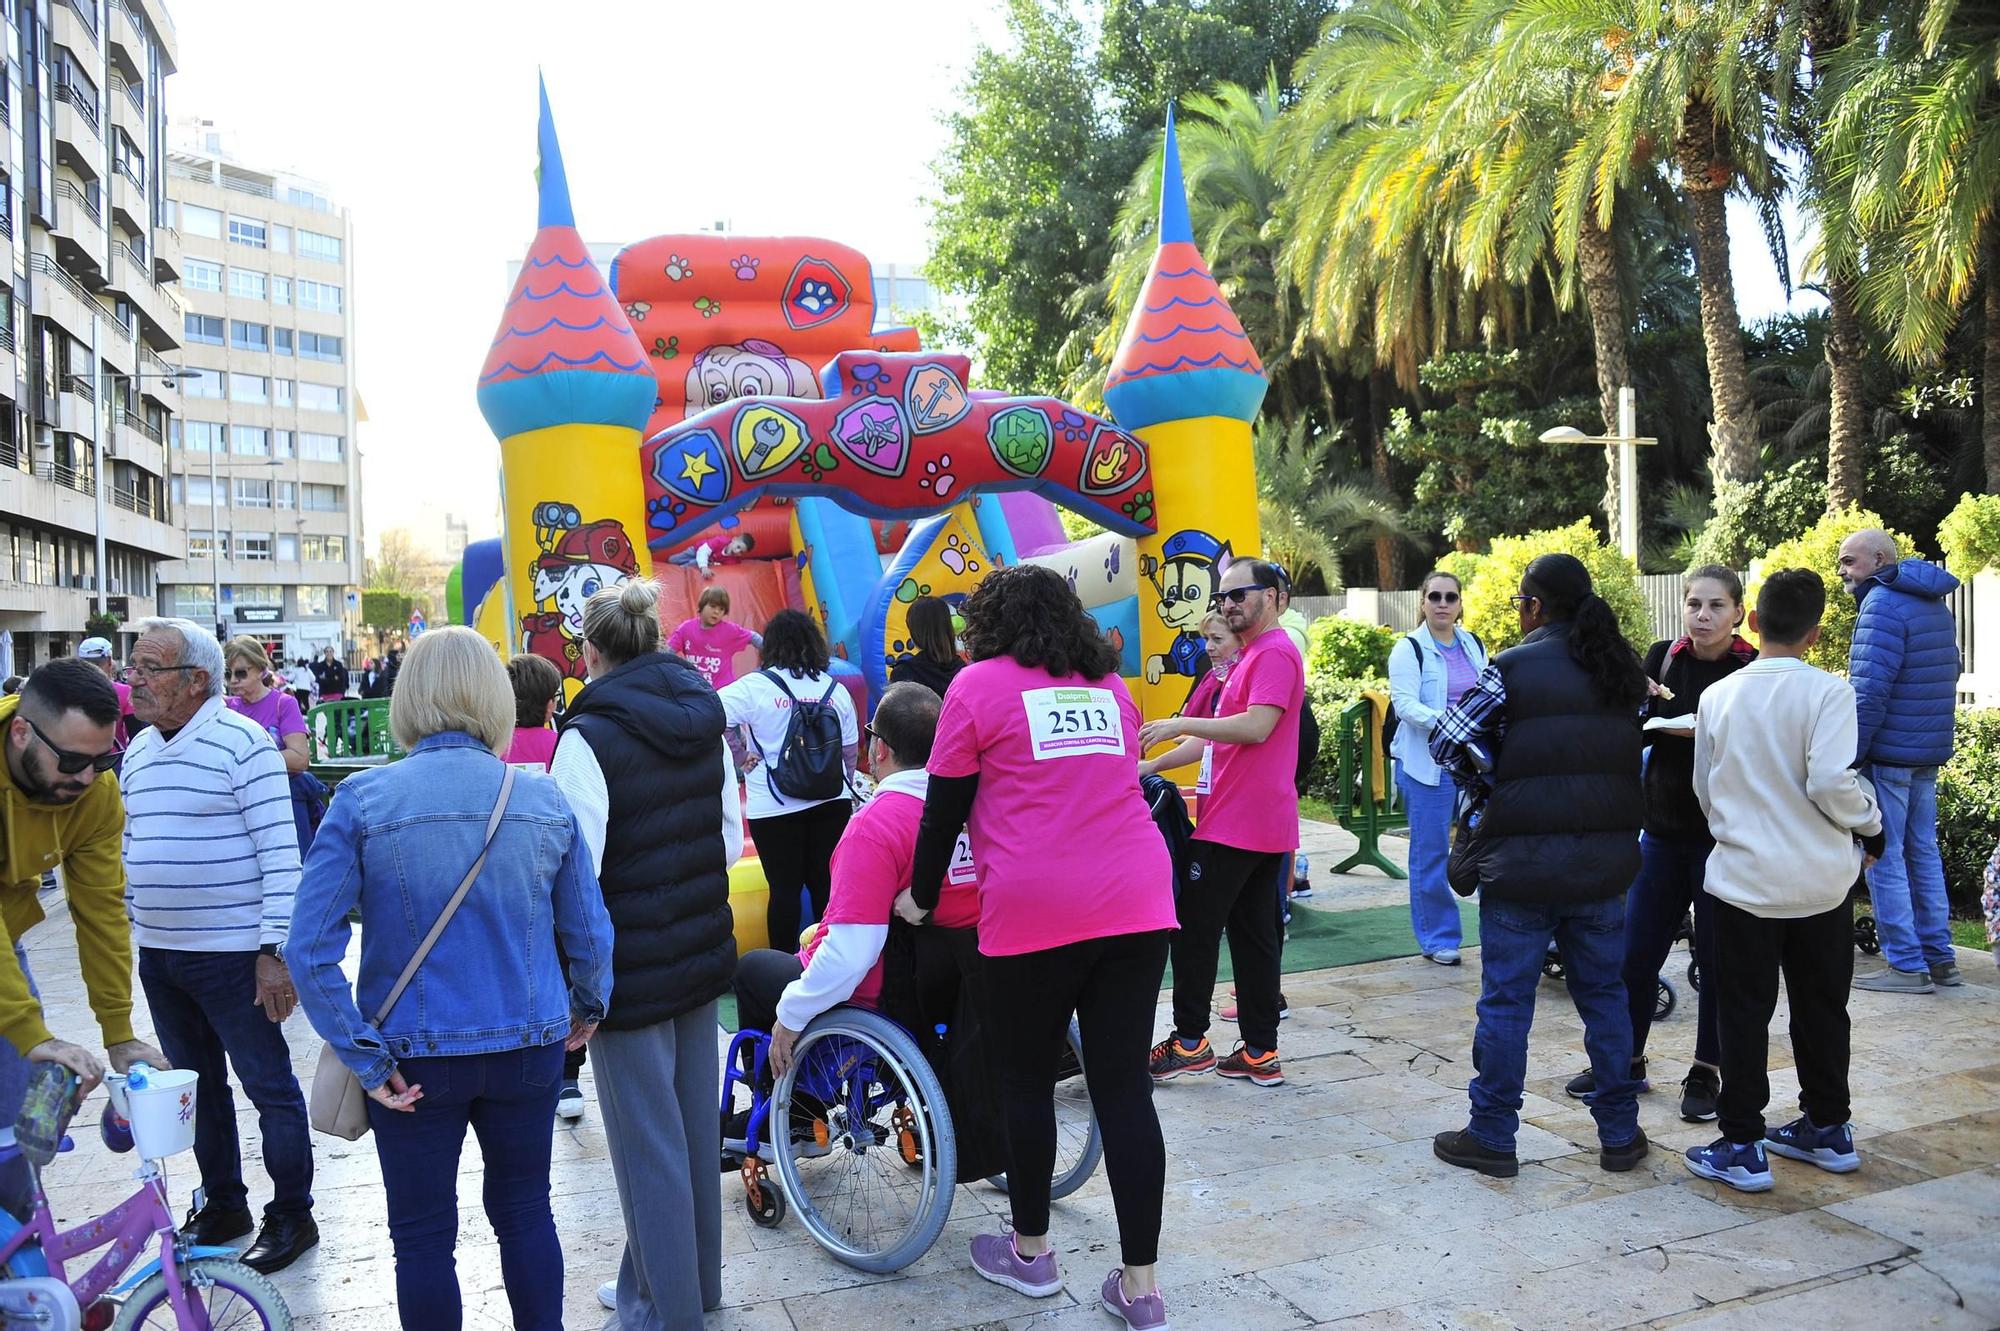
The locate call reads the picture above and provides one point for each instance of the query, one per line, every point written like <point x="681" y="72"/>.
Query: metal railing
<point x="123" y="166"/>
<point x="251" y="187"/>
<point x="90" y="208"/>
<point x="136" y="94"/>
<point x="121" y="318"/>
<point x="86" y="106"/>
<point x="6" y="339"/>
<point x="87" y="14"/>
<point x="42" y="263"/>
<point x="6" y="112"/>
<point x="69" y="478"/>
<point x="132" y="502"/>
<point x="155" y="363"/>
<point x="7" y="222"/>
<point x="79" y="384"/>
<point x="134" y="421"/>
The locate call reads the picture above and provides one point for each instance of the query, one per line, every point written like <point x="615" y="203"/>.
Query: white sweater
<point x="1773" y="748"/>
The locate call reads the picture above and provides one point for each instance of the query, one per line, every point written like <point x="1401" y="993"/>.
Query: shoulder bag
<point x="339" y="1105"/>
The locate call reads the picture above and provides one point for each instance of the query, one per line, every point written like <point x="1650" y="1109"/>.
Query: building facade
<point x="265" y="474"/>
<point x="91" y="326"/>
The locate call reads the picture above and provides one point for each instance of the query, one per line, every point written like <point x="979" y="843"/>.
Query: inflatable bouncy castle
<point x="724" y="410"/>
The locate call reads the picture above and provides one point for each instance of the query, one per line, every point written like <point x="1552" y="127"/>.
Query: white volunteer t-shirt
<point x="755" y="701"/>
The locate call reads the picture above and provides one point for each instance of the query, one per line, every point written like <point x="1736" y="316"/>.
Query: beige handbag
<point x="339" y="1107"/>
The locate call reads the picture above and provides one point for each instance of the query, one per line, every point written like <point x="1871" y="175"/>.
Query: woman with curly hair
<point x="1037" y="751"/>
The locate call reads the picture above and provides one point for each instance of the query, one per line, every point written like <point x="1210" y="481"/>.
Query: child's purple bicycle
<point x="183" y="1287"/>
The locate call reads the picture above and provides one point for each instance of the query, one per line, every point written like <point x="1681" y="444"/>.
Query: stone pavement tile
<point x="1932" y="1213"/>
<point x="1609" y="1292"/>
<point x="954" y="1298"/>
<point x="1972" y="1269"/>
<point x="1907" y="1297"/>
<point x="1236" y="1303"/>
<point x="1448" y="1264"/>
<point x="1950" y="1147"/>
<point x="1226" y="1148"/>
<point x="1613" y="1226"/>
<point x="1447" y="1114"/>
<point x="1771" y="1254"/>
<point x="1913" y="1103"/>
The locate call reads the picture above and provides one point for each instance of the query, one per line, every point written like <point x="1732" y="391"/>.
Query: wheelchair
<point x="863" y="1150"/>
<point x="1665" y="997"/>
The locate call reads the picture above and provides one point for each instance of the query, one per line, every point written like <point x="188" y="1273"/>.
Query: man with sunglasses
<point x="1249" y="828"/>
<point x="59" y="805"/>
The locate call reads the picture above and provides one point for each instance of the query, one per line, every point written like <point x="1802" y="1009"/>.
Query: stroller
<point x="1666" y="997"/>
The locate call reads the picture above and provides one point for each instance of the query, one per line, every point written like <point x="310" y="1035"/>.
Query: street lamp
<point x="1627" y="440"/>
<point x="101" y="422"/>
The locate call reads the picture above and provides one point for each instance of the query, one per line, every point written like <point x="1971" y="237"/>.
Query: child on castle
<point x="710" y="642"/>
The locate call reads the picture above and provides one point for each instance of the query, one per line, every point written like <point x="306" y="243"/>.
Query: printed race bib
<point x="1072" y="722"/>
<point x="961" y="873"/>
<point x="1202" y="782"/>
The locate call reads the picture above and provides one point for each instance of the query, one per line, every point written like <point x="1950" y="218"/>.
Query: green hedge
<point x="1818" y="549"/>
<point x="1969" y="806"/>
<point x="1328" y="695"/>
<point x="1347" y="648"/>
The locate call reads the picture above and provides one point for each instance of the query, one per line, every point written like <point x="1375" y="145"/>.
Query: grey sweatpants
<point x="659" y="1088"/>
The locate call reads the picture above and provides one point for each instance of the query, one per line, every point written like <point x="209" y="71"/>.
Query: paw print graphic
<point x="910" y="589"/>
<point x="666" y="348"/>
<point x="636" y="311"/>
<point x="1139" y="507"/>
<point x="937" y="477"/>
<point x="813" y="297"/>
<point x="745" y="268"/>
<point x="804" y="557"/>
<point x="708" y="308"/>
<point x="819" y="462"/>
<point x="869" y="379"/>
<point x="1071" y="577"/>
<point x="678" y="269"/>
<point x="1073" y="427"/>
<point x="1111" y="564"/>
<point x="957" y="556"/>
<point x="899" y="652"/>
<point x="665" y="514"/>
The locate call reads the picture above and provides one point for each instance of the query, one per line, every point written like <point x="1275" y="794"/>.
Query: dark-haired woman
<point x="1548" y="745"/>
<point x="1673" y="850"/>
<point x="795" y="837"/>
<point x="1037" y="752"/>
<point x="936" y="661"/>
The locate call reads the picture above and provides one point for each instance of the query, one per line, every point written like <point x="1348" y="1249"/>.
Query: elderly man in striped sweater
<point x="212" y="863"/>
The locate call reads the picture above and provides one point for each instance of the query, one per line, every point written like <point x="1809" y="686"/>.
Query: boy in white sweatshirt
<point x="1773" y="768"/>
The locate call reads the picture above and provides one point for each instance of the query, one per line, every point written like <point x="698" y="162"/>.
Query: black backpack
<point x="1308" y="744"/>
<point x="1170" y="815"/>
<point x="809" y="764"/>
<point x="1390" y="721"/>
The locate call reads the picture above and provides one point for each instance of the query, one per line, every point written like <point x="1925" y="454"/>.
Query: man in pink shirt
<point x="1249" y="825"/>
<point x="98" y="652"/>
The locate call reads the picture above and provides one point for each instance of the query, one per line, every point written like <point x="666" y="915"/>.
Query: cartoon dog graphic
<point x="1185" y="578"/>
<point x="578" y="559"/>
<point x="751" y="368"/>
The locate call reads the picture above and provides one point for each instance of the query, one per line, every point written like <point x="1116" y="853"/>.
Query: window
<point x="281" y="341"/>
<point x="287" y="497"/>
<point x="247" y="283"/>
<point x="316" y="602"/>
<point x="249" y="336"/>
<point x="250" y="441"/>
<point x="202" y="437"/>
<point x="281" y="443"/>
<point x="321" y="447"/>
<point x="281" y="239"/>
<point x="321" y="397"/>
<point x="206" y="383"/>
<point x="198" y="221"/>
<point x="253" y="545"/>
<point x="201" y="545"/>
<point x="255" y="593"/>
<point x="322" y="498"/>
<point x="201" y="275"/>
<point x="243" y="231"/>
<point x="319" y="296"/>
<point x="281" y="290"/>
<point x="197" y="491"/>
<point x="249" y="388"/>
<point x="252" y="493"/>
<point x="288" y="548"/>
<point x="318" y="346"/>
<point x="305" y="198"/>
<point x="202" y="328"/>
<point x="332" y="548"/>
<point x="281" y="392"/>
<point x="313" y="245"/>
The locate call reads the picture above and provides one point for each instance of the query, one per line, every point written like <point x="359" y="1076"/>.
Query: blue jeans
<point x="1668" y="885"/>
<point x="1433" y="907"/>
<point x="207" y="1022"/>
<point x="1513" y="940"/>
<point x="508" y="1099"/>
<point x="1912" y="916"/>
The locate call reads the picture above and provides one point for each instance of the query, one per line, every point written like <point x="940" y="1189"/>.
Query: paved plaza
<point x="1318" y="1204"/>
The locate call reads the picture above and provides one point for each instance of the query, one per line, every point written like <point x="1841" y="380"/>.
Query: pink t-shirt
<point x="122" y="734"/>
<point x="277" y="711"/>
<point x="1065" y="847"/>
<point x="712" y="651"/>
<point x="1252" y="802"/>
<point x="532" y="746"/>
<point x="871" y="865"/>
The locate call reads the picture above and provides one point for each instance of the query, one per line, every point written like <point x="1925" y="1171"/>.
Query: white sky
<point x="783" y="117"/>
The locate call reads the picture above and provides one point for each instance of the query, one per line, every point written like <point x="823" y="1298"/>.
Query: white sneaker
<point x="1444" y="956"/>
<point x="569" y="1102"/>
<point x="607" y="1294"/>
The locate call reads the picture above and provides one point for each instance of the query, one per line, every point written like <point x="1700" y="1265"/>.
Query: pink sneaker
<point x="995" y="1257"/>
<point x="1148" y="1312"/>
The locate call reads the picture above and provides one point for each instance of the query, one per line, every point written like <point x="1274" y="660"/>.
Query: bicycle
<point x="186" y="1287"/>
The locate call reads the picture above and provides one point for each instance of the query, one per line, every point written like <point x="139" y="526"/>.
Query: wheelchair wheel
<point x="1552" y="963"/>
<point x="1694" y="974"/>
<point x="1079" y="1144"/>
<point x="848" y="1174"/>
<point x="1664" y="999"/>
<point x="1865" y="936"/>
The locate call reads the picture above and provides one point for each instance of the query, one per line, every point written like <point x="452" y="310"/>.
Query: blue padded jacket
<point x="1905" y="665"/>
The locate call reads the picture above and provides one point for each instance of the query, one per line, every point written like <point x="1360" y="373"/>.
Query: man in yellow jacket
<point x="59" y="806"/>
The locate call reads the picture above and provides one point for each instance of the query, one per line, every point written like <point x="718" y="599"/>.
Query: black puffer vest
<point x="1562" y="825"/>
<point x="655" y="727"/>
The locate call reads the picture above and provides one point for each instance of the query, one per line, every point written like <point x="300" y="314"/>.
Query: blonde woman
<point x="477" y="1039"/>
<point x="247" y="669"/>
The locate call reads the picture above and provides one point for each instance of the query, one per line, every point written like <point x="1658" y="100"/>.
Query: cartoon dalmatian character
<point x="578" y="559"/>
<point x="752" y="368"/>
<point x="1185" y="577"/>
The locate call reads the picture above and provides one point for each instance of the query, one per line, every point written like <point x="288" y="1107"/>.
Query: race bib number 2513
<point x="1072" y="722"/>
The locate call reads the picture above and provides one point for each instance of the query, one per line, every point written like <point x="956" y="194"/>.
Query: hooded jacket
<point x="655" y="729"/>
<point x="84" y="838"/>
<point x="1905" y="665"/>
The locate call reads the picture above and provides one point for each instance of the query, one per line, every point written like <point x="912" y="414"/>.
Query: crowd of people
<point x="1591" y="798"/>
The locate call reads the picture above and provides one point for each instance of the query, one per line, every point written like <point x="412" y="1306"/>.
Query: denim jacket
<point x="397" y="841"/>
<point x="1416" y="691"/>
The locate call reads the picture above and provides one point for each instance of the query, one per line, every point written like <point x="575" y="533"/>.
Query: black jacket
<point x="1671" y="808"/>
<point x="1562" y="825"/>
<point x="921" y="669"/>
<point x="655" y="728"/>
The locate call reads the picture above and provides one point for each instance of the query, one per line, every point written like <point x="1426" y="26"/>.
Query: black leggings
<point x="796" y="850"/>
<point x="1111" y="984"/>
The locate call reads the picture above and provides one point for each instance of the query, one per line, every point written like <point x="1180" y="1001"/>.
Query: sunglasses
<point x="1441" y="598"/>
<point x="244" y="673"/>
<point x="1237" y="595"/>
<point x="68" y="761"/>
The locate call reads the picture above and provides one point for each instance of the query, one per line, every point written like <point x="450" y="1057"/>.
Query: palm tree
<point x="1308" y="521"/>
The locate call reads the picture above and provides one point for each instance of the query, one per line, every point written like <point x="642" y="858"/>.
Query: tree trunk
<point x="1989" y="376"/>
<point x="1597" y="262"/>
<point x="1386" y="560"/>
<point x="1846" y="442"/>
<point x="1705" y="176"/>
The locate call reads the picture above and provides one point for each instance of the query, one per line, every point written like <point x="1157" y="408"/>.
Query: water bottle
<point x="115" y="1128"/>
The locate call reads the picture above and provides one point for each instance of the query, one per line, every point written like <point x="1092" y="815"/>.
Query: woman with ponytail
<point x="1545" y="751"/>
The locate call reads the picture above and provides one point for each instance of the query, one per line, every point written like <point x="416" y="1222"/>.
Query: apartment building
<point x="90" y="323"/>
<point x="265" y="475"/>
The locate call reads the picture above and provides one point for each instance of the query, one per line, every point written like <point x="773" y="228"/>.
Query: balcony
<point x="127" y="103"/>
<point x="159" y="308"/>
<point x="74" y="119"/>
<point x="65" y="478"/>
<point x="78" y="228"/>
<point x="73" y="23"/>
<point x="166" y="254"/>
<point x="155" y="385"/>
<point x="128" y="195"/>
<point x="77" y="409"/>
<point x="162" y="23"/>
<point x="133" y="502"/>
<point x="59" y="296"/>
